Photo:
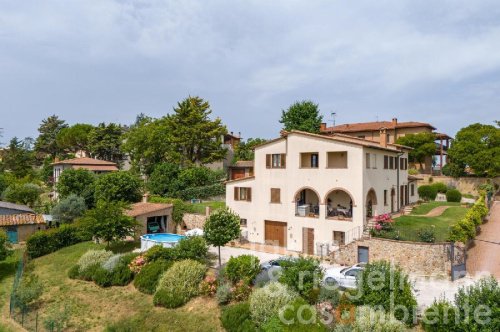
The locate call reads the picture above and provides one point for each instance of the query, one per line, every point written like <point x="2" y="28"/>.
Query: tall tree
<point x="105" y="142"/>
<point x="120" y="186"/>
<point x="78" y="182"/>
<point x="423" y="146"/>
<point x="75" y="138"/>
<point x="46" y="143"/>
<point x="244" y="150"/>
<point x="302" y="115"/>
<point x="478" y="147"/>
<point x="194" y="137"/>
<point x="18" y="158"/>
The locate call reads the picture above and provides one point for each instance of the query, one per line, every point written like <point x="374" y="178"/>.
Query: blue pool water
<point x="163" y="237"/>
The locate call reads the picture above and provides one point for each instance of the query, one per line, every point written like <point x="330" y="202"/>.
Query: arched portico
<point x="339" y="204"/>
<point x="307" y="203"/>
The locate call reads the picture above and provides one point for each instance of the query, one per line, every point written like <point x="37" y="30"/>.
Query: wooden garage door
<point x="275" y="233"/>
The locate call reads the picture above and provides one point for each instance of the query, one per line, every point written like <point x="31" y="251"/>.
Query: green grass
<point x="409" y="225"/>
<point x="214" y="205"/>
<point x="7" y="272"/>
<point x="427" y="207"/>
<point x="92" y="308"/>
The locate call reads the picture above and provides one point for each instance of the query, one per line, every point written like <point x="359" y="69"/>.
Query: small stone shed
<point x="153" y="217"/>
<point x="20" y="226"/>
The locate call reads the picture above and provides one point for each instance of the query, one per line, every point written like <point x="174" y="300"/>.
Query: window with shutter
<point x="236" y="193"/>
<point x="386" y="162"/>
<point x="268" y="161"/>
<point x="283" y="160"/>
<point x="275" y="195"/>
<point x="249" y="194"/>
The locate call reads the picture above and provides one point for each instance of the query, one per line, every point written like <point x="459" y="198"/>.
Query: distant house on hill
<point x="94" y="165"/>
<point x="229" y="141"/>
<point x="19" y="221"/>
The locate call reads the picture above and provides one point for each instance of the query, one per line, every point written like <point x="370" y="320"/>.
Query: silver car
<point x="344" y="277"/>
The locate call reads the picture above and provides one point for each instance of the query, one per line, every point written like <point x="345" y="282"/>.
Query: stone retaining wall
<point x="429" y="259"/>
<point x="465" y="185"/>
<point x="191" y="221"/>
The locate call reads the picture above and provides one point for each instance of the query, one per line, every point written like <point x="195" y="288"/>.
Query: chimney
<point x="145" y="198"/>
<point x="394" y="121"/>
<point x="322" y="127"/>
<point x="383" y="137"/>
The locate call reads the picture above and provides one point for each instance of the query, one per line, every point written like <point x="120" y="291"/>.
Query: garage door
<point x="275" y="233"/>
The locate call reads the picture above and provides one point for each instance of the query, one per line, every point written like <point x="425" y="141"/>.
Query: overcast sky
<point x="103" y="60"/>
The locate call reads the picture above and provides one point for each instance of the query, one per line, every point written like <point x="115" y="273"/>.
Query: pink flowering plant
<point x="208" y="287"/>
<point x="241" y="291"/>
<point x="137" y="264"/>
<point x="384" y="222"/>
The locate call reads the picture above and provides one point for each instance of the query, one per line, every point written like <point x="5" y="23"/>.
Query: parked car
<point x="344" y="277"/>
<point x="270" y="270"/>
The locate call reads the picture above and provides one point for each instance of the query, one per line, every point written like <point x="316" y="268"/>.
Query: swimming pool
<point x="166" y="240"/>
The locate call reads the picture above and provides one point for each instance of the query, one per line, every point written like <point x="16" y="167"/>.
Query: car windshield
<point x="343" y="270"/>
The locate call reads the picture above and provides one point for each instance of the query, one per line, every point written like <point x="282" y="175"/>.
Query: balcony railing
<point x="307" y="210"/>
<point x="338" y="213"/>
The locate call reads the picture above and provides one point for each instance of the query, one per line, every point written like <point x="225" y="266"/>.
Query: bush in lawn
<point x="427" y="234"/>
<point x="441" y="316"/>
<point x="160" y="253"/>
<point x="267" y="301"/>
<point x="88" y="273"/>
<point x="241" y="291"/>
<point x="440" y="187"/>
<point x="112" y="262"/>
<point x="223" y="293"/>
<point x="237" y="318"/>
<point x="368" y="319"/>
<point x="427" y="193"/>
<point x="477" y="300"/>
<point x="179" y="283"/>
<point x="93" y="257"/>
<point x="453" y="195"/>
<point x="330" y="295"/>
<point x="147" y="280"/>
<point x="208" y="287"/>
<point x="102" y="277"/>
<point x="74" y="272"/>
<point x="380" y="283"/>
<point x="121" y="273"/>
<point x="244" y="267"/>
<point x="192" y="247"/>
<point x="302" y="275"/>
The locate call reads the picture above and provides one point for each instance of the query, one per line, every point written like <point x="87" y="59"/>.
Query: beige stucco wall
<point x="430" y="259"/>
<point x="356" y="180"/>
<point x="399" y="132"/>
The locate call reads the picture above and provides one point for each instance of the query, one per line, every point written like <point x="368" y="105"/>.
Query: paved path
<point x="437" y="211"/>
<point x="484" y="255"/>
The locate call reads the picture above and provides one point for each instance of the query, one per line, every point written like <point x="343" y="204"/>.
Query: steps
<point x="407" y="209"/>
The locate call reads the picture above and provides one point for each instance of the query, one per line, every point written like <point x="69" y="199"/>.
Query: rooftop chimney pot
<point x="383" y="137"/>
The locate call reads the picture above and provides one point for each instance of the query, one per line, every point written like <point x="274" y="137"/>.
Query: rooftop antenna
<point x="376" y="116"/>
<point x="334" y="115"/>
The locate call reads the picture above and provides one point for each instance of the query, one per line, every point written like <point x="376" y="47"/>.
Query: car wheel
<point x="331" y="282"/>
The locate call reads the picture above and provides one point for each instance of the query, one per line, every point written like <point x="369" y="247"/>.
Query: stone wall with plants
<point x="414" y="257"/>
<point x="466" y="185"/>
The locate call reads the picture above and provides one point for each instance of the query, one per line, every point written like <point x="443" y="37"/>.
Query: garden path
<point x="436" y="212"/>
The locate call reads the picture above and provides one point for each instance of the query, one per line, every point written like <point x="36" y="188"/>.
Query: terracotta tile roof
<point x="375" y="126"/>
<point x="84" y="161"/>
<point x="97" y="167"/>
<point x="243" y="163"/>
<point x="12" y="206"/>
<point x="21" y="219"/>
<point x="139" y="209"/>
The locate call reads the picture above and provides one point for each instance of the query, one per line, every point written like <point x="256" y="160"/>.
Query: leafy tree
<point x="46" y="143"/>
<point x="302" y="275"/>
<point x="18" y="158"/>
<point x="5" y="250"/>
<point x="68" y="209"/>
<point x="163" y="180"/>
<point x="119" y="186"/>
<point x="194" y="137"/>
<point x="244" y="150"/>
<point x="78" y="182"/>
<point x="199" y="177"/>
<point x="423" y="146"/>
<point x="108" y="222"/>
<point x="476" y="146"/>
<point x="27" y="193"/>
<point x="74" y="138"/>
<point x="221" y="227"/>
<point x="105" y="142"/>
<point x="302" y="115"/>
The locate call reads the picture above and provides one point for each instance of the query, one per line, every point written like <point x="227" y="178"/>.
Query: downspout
<point x="397" y="181"/>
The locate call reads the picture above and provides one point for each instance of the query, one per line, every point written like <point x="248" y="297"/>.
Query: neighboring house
<point x="11" y="208"/>
<point x="312" y="190"/>
<point x="395" y="130"/>
<point x="241" y="169"/>
<point x="153" y="217"/>
<point x="229" y="141"/>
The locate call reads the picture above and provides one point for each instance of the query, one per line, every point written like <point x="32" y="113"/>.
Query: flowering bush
<point x="137" y="264"/>
<point x="208" y="287"/>
<point x="267" y="301"/>
<point x="241" y="291"/>
<point x="383" y="222"/>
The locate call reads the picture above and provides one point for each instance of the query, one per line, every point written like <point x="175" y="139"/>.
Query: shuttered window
<point x="276" y="160"/>
<point x="242" y="194"/>
<point x="386" y="162"/>
<point x="275" y="195"/>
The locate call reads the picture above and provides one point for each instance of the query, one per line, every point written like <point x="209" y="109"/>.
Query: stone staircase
<point x="407" y="209"/>
<point x="371" y="224"/>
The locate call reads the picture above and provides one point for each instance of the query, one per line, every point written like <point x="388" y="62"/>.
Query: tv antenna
<point x="333" y="115"/>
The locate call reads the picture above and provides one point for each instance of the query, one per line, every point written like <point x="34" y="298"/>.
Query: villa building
<point x="309" y="192"/>
<point x="395" y="130"/>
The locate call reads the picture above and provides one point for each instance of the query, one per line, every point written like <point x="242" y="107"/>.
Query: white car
<point x="344" y="277"/>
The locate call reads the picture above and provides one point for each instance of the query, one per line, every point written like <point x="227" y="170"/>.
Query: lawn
<point x="427" y="207"/>
<point x="409" y="225"/>
<point x="92" y="308"/>
<point x="214" y="205"/>
<point x="7" y="271"/>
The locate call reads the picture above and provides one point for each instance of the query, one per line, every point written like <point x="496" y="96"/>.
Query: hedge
<point x="427" y="193"/>
<point x="465" y="229"/>
<point x="217" y="189"/>
<point x="44" y="242"/>
<point x="453" y="195"/>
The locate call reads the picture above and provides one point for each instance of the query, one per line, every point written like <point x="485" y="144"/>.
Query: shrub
<point x="88" y="273"/>
<point x="440" y="316"/>
<point x="267" y="301"/>
<point x="147" y="280"/>
<point x="192" y="247"/>
<point x="302" y="275"/>
<point x="413" y="171"/>
<point x="68" y="209"/>
<point x="208" y="287"/>
<point x="465" y="229"/>
<point x="244" y="267"/>
<point x="111" y="262"/>
<point x="121" y="274"/>
<point x="375" y="287"/>
<point x="28" y="290"/>
<point x="237" y="318"/>
<point x="93" y="257"/>
<point x="453" y="195"/>
<point x="427" y="234"/>
<point x="44" y="242"/>
<point x="137" y="264"/>
<point x="330" y="295"/>
<point x="440" y="187"/>
<point x="427" y="193"/>
<point x="160" y="253"/>
<point x="102" y="277"/>
<point x="298" y="316"/>
<point x="223" y="293"/>
<point x="241" y="291"/>
<point x="368" y="319"/>
<point x="179" y="283"/>
<point x="74" y="272"/>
